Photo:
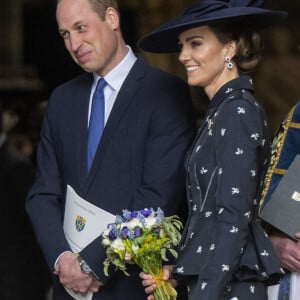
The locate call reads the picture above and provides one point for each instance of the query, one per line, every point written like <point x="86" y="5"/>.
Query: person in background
<point x="148" y="125"/>
<point x="219" y="44"/>
<point x="285" y="147"/>
<point x="23" y="270"/>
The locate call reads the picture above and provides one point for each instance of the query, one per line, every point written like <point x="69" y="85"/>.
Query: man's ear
<point x="112" y="18"/>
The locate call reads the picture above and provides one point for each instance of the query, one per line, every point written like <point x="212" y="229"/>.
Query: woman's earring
<point x="228" y="62"/>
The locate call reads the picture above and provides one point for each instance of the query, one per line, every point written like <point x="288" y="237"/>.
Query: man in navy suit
<point x="139" y="160"/>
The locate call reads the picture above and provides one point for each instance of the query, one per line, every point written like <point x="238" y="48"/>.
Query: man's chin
<point x="86" y="67"/>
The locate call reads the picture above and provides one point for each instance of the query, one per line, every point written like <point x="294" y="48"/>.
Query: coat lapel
<point x="123" y="100"/>
<point x="82" y="106"/>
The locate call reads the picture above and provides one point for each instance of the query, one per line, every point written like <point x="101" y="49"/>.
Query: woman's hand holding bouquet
<point x="143" y="238"/>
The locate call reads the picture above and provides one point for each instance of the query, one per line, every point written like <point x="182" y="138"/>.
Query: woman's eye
<point x="195" y="44"/>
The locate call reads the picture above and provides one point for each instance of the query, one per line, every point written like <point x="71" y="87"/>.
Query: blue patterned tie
<point x="284" y="288"/>
<point x="96" y="123"/>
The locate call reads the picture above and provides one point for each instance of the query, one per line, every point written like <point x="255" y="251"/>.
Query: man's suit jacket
<point x="138" y="164"/>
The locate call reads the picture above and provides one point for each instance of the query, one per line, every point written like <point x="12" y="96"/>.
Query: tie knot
<point x="100" y="85"/>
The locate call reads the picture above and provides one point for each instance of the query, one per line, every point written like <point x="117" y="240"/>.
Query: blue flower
<point x="146" y="212"/>
<point x="131" y="234"/>
<point x="119" y="219"/>
<point x="134" y="214"/>
<point x="126" y="214"/>
<point x="141" y="217"/>
<point x="159" y="215"/>
<point x="138" y="231"/>
<point x="124" y="232"/>
<point x="114" y="232"/>
<point x="157" y="230"/>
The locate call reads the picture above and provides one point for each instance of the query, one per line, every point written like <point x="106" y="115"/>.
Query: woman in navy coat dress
<point x="218" y="45"/>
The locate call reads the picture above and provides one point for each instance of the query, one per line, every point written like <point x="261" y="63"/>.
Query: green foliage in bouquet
<point x="143" y="238"/>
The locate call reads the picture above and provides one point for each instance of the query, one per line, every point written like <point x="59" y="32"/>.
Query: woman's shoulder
<point x="240" y="100"/>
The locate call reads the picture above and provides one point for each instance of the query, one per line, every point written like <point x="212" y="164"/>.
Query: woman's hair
<point x="249" y="44"/>
<point x="100" y="6"/>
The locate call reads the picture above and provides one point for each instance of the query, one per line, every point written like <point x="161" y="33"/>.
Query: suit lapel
<point x="82" y="105"/>
<point x="123" y="100"/>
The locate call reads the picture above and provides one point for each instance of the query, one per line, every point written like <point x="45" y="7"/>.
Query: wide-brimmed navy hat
<point x="164" y="39"/>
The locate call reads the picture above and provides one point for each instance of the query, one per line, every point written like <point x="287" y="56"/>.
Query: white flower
<point x="208" y="214"/>
<point x="223" y="130"/>
<point x="203" y="170"/>
<point x="247" y="214"/>
<point x="225" y="268"/>
<point x="264" y="253"/>
<point x="255" y="136"/>
<point x="203" y="285"/>
<point x="150" y="221"/>
<point x="239" y="151"/>
<point x="241" y="110"/>
<point x="132" y="224"/>
<point x="199" y="250"/>
<point x="180" y="270"/>
<point x="235" y="190"/>
<point x="135" y="248"/>
<point x="106" y="241"/>
<point x="210" y="123"/>
<point x="234" y="229"/>
<point x="118" y="245"/>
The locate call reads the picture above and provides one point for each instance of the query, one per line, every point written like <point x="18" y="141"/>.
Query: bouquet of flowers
<point x="143" y="238"/>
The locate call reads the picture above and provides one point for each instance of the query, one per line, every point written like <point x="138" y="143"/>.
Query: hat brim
<point x="164" y="39"/>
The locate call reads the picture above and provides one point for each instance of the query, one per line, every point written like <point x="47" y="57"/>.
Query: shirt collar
<point x="117" y="75"/>
<point x="242" y="82"/>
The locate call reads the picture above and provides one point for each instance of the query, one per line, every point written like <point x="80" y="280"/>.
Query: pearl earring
<point x="228" y="62"/>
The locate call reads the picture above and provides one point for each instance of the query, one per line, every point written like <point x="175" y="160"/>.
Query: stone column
<point x="11" y="41"/>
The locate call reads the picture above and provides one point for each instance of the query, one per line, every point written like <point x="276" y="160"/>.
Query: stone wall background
<point x="33" y="59"/>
